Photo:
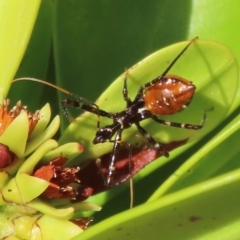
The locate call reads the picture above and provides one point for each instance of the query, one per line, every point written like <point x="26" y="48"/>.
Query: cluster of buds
<point x="34" y="178"/>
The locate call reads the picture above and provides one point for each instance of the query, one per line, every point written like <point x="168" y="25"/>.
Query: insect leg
<point x="125" y="90"/>
<point x="116" y="145"/>
<point x="183" y="125"/>
<point x="85" y="105"/>
<point x="152" y="141"/>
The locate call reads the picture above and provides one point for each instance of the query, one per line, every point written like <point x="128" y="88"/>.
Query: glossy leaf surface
<point x="198" y="64"/>
<point x="14" y="35"/>
<point x="205" y="211"/>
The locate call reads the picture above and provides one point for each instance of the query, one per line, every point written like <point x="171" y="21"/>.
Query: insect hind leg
<point x="183" y="125"/>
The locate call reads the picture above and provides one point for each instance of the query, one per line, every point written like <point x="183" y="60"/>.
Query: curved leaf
<point x="199" y="64"/>
<point x="208" y="210"/>
<point x="16" y="22"/>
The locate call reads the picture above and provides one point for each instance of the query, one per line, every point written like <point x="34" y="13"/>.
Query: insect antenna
<point x="81" y="103"/>
<point x="56" y="87"/>
<point x="177" y="57"/>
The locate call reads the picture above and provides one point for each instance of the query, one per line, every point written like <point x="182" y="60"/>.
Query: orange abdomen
<point x="171" y="95"/>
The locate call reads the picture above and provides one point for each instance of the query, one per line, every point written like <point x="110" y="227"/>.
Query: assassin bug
<point x="165" y="95"/>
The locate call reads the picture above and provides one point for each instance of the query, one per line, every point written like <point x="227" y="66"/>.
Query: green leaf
<point x="199" y="64"/>
<point x="52" y="228"/>
<point x="17" y="19"/>
<point x="209" y="210"/>
<point x="48" y="133"/>
<point x="45" y="208"/>
<point x="29" y="165"/>
<point x="20" y="140"/>
<point x="35" y="61"/>
<point x="27" y="186"/>
<point x="211" y="160"/>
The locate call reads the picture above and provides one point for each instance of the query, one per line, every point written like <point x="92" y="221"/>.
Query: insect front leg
<point x="85" y="105"/>
<point x="116" y="145"/>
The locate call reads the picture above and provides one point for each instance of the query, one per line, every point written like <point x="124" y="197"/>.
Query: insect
<point x="165" y="95"/>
